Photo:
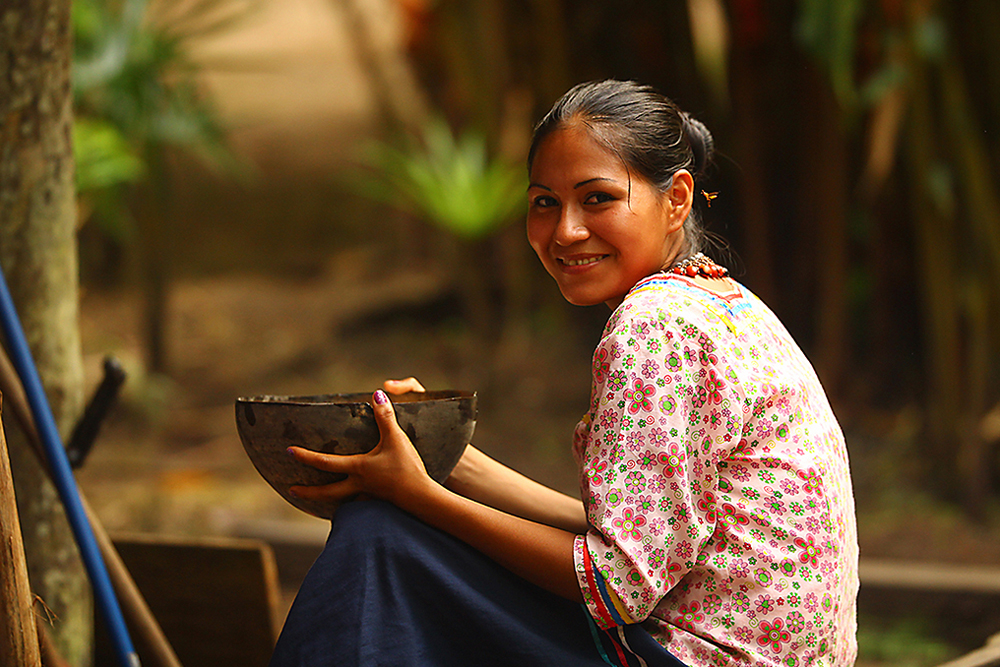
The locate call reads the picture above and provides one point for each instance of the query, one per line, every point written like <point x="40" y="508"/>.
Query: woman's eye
<point x="598" y="198"/>
<point x="543" y="201"/>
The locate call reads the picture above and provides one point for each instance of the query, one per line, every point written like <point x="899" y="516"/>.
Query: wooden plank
<point x="217" y="599"/>
<point x="18" y="635"/>
<point x="930" y="576"/>
<point x="987" y="656"/>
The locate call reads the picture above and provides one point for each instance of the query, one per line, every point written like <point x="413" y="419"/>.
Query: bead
<point x="699" y="264"/>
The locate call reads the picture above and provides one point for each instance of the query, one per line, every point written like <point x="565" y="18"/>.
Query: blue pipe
<point x="62" y="477"/>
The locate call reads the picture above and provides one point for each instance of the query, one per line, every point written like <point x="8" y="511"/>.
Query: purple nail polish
<point x="290" y="452"/>
<point x="380" y="397"/>
<point x="292" y="494"/>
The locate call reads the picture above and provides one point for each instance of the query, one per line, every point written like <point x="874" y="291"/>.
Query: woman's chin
<point x="581" y="298"/>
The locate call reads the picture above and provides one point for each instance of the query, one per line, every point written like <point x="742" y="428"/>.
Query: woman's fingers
<point x="402" y="469"/>
<point x="392" y="470"/>
<point x="336" y="492"/>
<point x="392" y="439"/>
<point x="330" y="462"/>
<point x="403" y="386"/>
<point x="385" y="416"/>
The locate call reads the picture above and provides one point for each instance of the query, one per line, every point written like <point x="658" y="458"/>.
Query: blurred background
<point x="310" y="196"/>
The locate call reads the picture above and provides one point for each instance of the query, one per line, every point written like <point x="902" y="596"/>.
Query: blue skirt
<point x="390" y="590"/>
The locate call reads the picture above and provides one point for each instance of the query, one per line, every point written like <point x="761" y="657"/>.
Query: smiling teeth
<point x="581" y="262"/>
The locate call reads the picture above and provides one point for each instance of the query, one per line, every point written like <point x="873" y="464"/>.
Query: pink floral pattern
<point x="716" y="482"/>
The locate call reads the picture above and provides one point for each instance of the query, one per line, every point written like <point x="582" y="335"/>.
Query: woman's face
<point x="597" y="228"/>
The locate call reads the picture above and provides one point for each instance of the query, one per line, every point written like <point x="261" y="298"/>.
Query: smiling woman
<point x="597" y="229"/>
<point x="717" y="522"/>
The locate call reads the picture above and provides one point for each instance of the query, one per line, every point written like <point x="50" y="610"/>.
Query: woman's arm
<point x="394" y="472"/>
<point x="486" y="480"/>
<point x="540" y="553"/>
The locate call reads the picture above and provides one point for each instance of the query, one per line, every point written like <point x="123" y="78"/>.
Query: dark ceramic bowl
<point x="439" y="423"/>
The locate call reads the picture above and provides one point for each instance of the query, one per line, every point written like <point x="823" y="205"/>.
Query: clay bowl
<point x="439" y="423"/>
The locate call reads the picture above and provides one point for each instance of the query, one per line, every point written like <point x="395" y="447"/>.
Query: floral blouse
<point x="716" y="481"/>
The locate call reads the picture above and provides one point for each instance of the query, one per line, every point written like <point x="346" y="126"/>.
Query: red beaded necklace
<point x="699" y="265"/>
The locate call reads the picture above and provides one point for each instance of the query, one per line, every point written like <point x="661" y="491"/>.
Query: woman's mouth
<point x="585" y="261"/>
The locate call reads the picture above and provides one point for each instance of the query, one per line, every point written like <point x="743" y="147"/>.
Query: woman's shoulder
<point x="666" y="302"/>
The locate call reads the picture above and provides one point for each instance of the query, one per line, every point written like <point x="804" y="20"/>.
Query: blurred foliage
<point x="104" y="163"/>
<point x="135" y="80"/>
<point x="136" y="92"/>
<point x="103" y="156"/>
<point x="917" y="87"/>
<point x="450" y="182"/>
<point x="829" y="30"/>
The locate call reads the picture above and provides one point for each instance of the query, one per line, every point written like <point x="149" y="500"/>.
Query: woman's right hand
<point x="392" y="471"/>
<point x="397" y="387"/>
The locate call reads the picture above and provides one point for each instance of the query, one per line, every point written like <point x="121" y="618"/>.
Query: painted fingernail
<point x="290" y="451"/>
<point x="380" y="397"/>
<point x="292" y="494"/>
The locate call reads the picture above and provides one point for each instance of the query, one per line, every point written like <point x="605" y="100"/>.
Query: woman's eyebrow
<point x="591" y="180"/>
<point x="578" y="185"/>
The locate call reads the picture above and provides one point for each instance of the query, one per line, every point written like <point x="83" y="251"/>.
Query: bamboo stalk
<point x="50" y="654"/>
<point x="18" y="635"/>
<point x="137" y="614"/>
<point x="972" y="161"/>
<point x="936" y="255"/>
<point x="983" y="210"/>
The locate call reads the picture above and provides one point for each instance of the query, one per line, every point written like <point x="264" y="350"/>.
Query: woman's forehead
<point x="574" y="149"/>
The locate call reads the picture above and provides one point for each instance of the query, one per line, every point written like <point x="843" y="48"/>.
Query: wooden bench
<point x="987" y="656"/>
<point x="217" y="599"/>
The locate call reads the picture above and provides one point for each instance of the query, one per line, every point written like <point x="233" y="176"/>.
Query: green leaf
<point x="828" y="30"/>
<point x="103" y="157"/>
<point x="930" y="38"/>
<point x="452" y="183"/>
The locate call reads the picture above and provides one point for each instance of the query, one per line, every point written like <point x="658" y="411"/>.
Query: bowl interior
<point x="439" y="423"/>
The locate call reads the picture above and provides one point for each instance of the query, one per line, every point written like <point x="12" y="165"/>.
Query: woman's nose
<point x="570" y="229"/>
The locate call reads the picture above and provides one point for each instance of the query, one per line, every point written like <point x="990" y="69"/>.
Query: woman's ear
<point x="679" y="197"/>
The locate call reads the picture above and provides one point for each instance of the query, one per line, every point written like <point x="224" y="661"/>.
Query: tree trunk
<point x="750" y="143"/>
<point x="154" y="255"/>
<point x="825" y="200"/>
<point x="548" y="29"/>
<point x="38" y="255"/>
<point x="937" y="258"/>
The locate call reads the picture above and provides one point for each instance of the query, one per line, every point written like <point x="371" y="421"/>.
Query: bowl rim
<point x="357" y="398"/>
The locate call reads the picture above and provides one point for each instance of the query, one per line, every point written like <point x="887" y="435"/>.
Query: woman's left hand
<point x="392" y="471"/>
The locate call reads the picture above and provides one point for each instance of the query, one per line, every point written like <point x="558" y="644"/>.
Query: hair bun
<point x="701" y="141"/>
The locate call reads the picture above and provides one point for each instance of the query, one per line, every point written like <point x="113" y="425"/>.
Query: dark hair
<point x="644" y="128"/>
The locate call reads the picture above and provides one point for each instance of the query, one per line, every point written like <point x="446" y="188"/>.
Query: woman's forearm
<point x="540" y="553"/>
<point x="487" y="481"/>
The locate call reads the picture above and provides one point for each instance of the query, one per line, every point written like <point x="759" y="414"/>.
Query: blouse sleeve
<point x="663" y="413"/>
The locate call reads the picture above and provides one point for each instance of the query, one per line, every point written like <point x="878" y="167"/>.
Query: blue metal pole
<point x="62" y="477"/>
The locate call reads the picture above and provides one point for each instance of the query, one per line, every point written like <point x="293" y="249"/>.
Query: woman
<point x="717" y="523"/>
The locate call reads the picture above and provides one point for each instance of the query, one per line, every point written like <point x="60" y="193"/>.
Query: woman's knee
<point x="367" y="524"/>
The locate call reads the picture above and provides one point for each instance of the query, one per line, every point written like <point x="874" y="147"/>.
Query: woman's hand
<point x="391" y="471"/>
<point x="397" y="387"/>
